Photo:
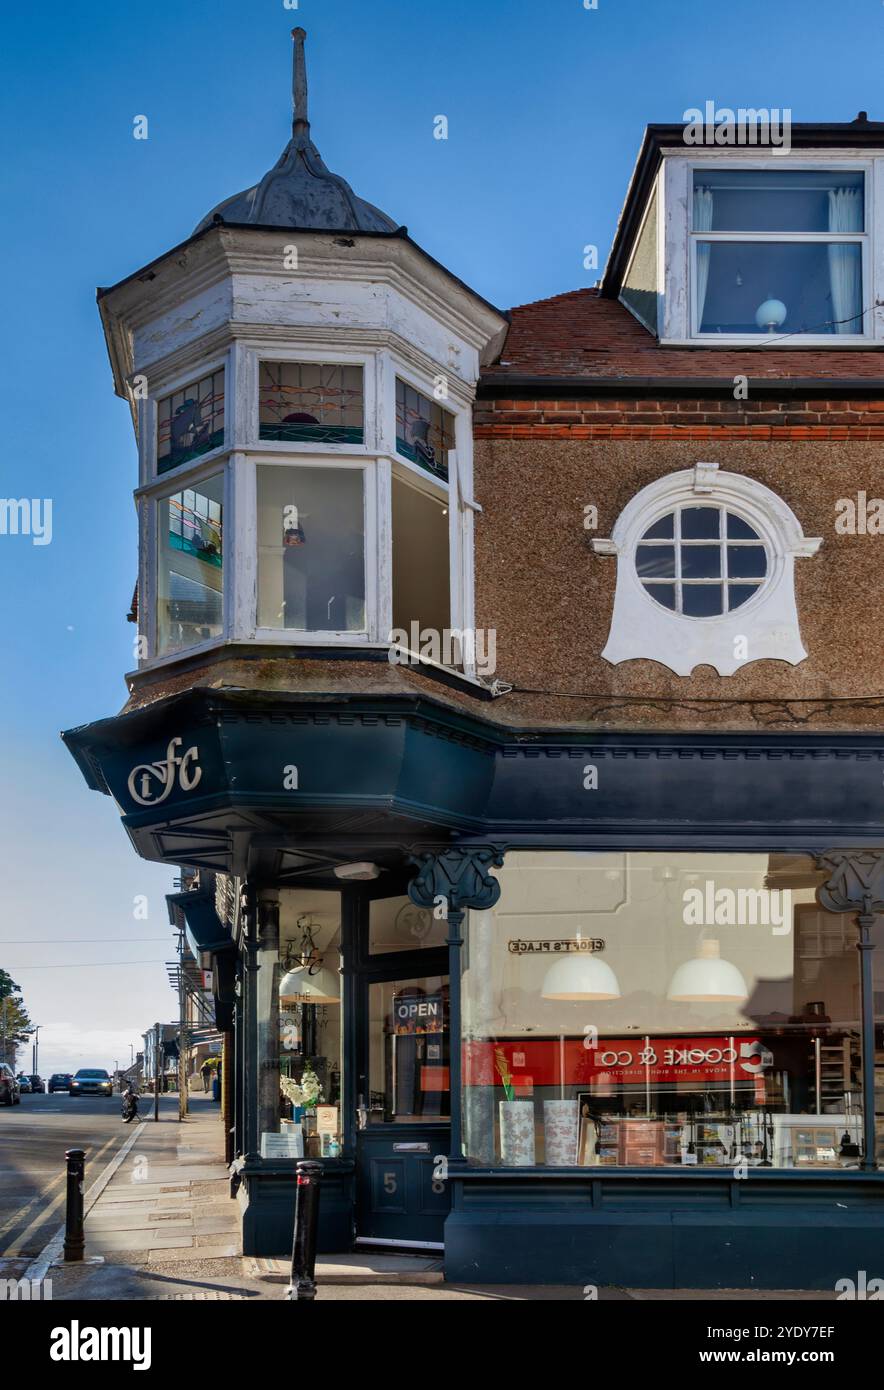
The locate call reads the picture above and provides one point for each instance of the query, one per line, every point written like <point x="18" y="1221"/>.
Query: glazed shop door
<point x="403" y="1103"/>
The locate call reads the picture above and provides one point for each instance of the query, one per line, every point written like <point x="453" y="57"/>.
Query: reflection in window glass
<point x="190" y="422"/>
<point x="190" y="565"/>
<point x="395" y="924"/>
<point x="302" y="401"/>
<point x="688" y="561"/>
<point x="408" y="1051"/>
<point x="311" y="565"/>
<point x="726" y="1004"/>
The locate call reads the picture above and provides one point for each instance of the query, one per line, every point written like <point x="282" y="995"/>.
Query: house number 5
<point x="389" y="1182"/>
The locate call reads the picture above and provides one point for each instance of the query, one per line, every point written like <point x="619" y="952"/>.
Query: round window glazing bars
<point x="701" y="560"/>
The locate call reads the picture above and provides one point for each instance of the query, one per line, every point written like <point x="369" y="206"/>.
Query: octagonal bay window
<point x="334" y="506"/>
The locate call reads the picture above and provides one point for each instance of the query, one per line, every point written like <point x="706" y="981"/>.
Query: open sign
<point x="417" y="1013"/>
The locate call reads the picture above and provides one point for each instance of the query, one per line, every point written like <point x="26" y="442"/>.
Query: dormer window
<point x="190" y="421"/>
<point x="311" y="402"/>
<point x="424" y="430"/>
<point x="777" y="252"/>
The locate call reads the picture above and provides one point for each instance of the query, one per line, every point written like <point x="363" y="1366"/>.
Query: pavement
<point x="161" y="1225"/>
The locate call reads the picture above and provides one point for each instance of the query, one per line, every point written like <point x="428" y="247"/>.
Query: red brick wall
<point x="679" y="419"/>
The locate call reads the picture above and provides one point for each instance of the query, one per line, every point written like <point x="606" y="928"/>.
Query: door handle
<point x="361" y="1113"/>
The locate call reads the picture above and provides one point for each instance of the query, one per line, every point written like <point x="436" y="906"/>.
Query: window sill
<point x="834" y="342"/>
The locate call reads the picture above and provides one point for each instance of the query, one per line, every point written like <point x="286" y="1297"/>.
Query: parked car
<point x="60" y="1081"/>
<point x="24" y="1084"/>
<point x="10" y="1093"/>
<point x="38" y="1085"/>
<point x="91" y="1081"/>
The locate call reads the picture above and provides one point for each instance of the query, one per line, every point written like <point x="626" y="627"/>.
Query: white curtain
<point x="702" y="223"/>
<point x="845" y="262"/>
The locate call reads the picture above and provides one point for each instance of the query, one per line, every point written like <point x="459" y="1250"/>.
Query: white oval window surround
<point x="705" y="574"/>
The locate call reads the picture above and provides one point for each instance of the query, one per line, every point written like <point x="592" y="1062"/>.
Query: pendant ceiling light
<point x="577" y="977"/>
<point x="299" y="986"/>
<point x="707" y="979"/>
<point x="306" y="979"/>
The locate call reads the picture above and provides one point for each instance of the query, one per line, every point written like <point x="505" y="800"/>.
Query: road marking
<point x="53" y="1250"/>
<point x="11" y="1252"/>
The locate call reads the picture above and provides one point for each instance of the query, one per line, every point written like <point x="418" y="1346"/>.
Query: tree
<point x="15" y="1026"/>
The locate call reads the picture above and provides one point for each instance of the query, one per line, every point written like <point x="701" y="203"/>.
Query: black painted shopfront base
<point x="266" y="1198"/>
<point x="678" y="1231"/>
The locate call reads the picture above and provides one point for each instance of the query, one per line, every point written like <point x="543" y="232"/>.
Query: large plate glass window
<point x="190" y="421"/>
<point x="314" y="402"/>
<point x="778" y="251"/>
<point x="311" y="548"/>
<point x="190" y="565"/>
<point x="424" y="430"/>
<point x="681" y="1010"/>
<point x="310" y="1024"/>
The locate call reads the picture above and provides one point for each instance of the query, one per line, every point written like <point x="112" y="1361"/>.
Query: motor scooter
<point x="130" y="1106"/>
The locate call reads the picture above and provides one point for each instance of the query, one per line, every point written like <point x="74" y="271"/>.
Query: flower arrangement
<point x="305" y="1093"/>
<point x="504" y="1073"/>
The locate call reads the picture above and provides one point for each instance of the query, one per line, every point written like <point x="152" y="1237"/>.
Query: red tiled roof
<point x="583" y="334"/>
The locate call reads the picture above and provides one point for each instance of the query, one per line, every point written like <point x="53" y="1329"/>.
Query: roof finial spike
<point x="299" y="84"/>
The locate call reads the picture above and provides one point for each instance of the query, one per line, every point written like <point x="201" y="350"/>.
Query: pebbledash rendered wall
<point x="549" y="596"/>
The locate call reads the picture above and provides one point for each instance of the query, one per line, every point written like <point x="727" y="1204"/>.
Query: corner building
<point x="561" y="913"/>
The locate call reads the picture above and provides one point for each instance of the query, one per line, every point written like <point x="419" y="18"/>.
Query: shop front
<point x="608" y="1028"/>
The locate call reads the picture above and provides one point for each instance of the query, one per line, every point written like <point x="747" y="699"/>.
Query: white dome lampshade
<point x="707" y="979"/>
<point x="771" y="314"/>
<point x="580" y="977"/>
<point x="299" y="987"/>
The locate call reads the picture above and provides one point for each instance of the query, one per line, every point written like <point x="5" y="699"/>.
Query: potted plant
<point x="516" y="1120"/>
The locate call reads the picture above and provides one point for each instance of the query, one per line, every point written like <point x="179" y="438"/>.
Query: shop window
<point x="311" y="402"/>
<point x="424" y="430"/>
<point x="705" y="574"/>
<point x="190" y="566"/>
<point x="310" y="1023"/>
<point x="778" y="251"/>
<point x="190" y="422"/>
<point x="311" y="549"/>
<point x="641" y="1009"/>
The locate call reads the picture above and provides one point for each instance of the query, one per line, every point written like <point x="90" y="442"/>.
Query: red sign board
<point x="617" y="1061"/>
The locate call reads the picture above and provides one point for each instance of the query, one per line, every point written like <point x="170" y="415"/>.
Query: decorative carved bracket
<point x="856" y="881"/>
<point x="459" y="875"/>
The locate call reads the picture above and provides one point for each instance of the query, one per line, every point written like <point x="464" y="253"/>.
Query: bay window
<point x="190" y="565"/>
<point x="311" y="548"/>
<point x="778" y="252"/>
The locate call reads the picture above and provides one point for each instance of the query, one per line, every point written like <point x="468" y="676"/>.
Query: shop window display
<point x="677" y="1010"/>
<point x="310" y="1051"/>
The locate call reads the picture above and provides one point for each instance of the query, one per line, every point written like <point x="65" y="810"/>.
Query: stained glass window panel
<point x="300" y="402"/>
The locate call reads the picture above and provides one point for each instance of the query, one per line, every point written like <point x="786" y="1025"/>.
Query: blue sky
<point x="546" y="103"/>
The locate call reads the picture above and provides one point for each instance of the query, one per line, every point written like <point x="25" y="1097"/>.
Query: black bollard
<point x="74" y="1242"/>
<point x="303" y="1285"/>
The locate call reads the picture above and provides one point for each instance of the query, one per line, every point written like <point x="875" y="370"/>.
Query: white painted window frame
<point x="166" y="384"/>
<point x="243" y="451"/>
<point x="766" y="626"/>
<point x="678" y="244"/>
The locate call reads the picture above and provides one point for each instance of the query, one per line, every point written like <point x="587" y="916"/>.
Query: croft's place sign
<point x="564" y="946"/>
<point x="151" y="783"/>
